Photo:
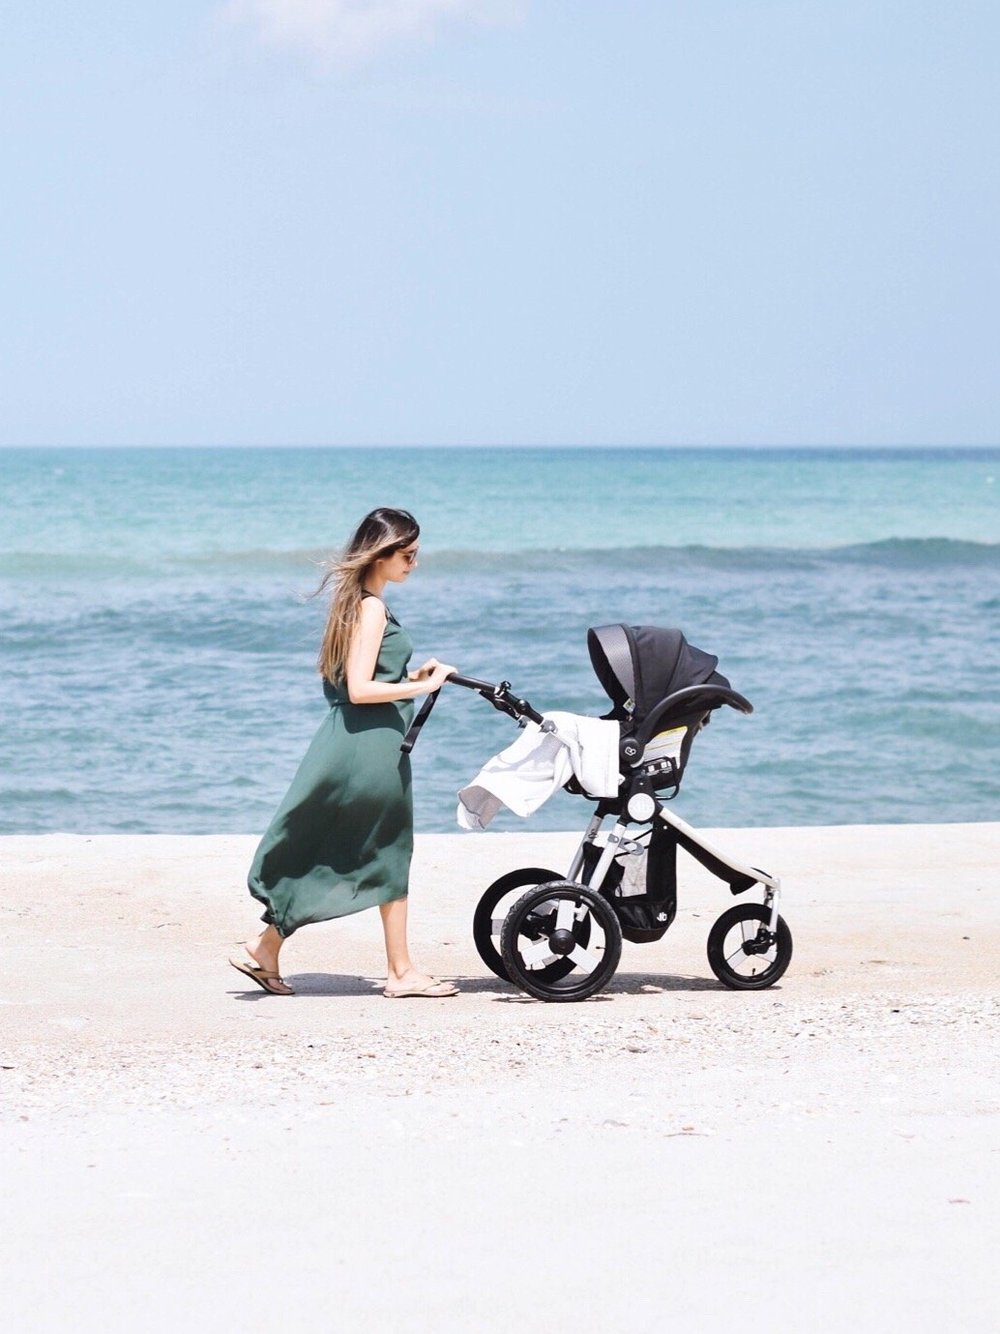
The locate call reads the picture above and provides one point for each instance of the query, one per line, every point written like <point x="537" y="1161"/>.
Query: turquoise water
<point x="156" y="656"/>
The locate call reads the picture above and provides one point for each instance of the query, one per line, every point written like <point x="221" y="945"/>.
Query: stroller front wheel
<point x="561" y="942"/>
<point x="743" y="953"/>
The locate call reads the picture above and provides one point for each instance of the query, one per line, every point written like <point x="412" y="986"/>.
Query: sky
<point x="500" y="222"/>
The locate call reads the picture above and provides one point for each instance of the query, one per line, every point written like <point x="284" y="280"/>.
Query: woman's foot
<point x="415" y="983"/>
<point x="263" y="966"/>
<point x="264" y="950"/>
<point x="266" y="978"/>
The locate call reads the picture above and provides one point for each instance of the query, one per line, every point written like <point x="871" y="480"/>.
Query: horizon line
<point x="513" y="445"/>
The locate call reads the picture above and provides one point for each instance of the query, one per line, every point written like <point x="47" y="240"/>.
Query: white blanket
<point x="538" y="763"/>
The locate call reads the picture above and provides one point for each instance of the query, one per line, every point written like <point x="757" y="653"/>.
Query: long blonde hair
<point x="379" y="534"/>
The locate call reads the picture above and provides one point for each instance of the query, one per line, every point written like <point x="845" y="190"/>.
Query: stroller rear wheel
<point x="493" y="907"/>
<point x="743" y="953"/>
<point x="565" y="925"/>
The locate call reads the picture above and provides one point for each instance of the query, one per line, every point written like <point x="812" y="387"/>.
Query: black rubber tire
<point x="771" y="968"/>
<point x="482" y="919"/>
<point x="540" y="982"/>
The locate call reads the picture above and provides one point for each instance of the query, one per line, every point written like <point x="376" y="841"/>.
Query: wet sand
<point x="178" y="1149"/>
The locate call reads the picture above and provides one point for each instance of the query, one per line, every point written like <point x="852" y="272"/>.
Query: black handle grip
<point x="424" y="712"/>
<point x="498" y="695"/>
<point x="470" y="682"/>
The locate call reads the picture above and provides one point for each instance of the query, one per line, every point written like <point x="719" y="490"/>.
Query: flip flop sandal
<point x="263" y="977"/>
<point x="435" y="991"/>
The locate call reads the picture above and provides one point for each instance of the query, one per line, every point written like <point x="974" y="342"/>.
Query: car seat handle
<point x="712" y="696"/>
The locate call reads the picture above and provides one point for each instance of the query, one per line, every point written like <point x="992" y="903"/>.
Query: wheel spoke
<point x="537" y="953"/>
<point x="586" y="960"/>
<point x="736" y="954"/>
<point x="565" y="915"/>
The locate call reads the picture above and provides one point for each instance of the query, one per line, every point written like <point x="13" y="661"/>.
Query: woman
<point x="342" y="839"/>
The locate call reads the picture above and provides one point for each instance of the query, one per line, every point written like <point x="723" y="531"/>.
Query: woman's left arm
<point x="362" y="660"/>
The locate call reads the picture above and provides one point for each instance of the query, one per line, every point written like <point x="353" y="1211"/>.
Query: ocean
<point x="157" y="646"/>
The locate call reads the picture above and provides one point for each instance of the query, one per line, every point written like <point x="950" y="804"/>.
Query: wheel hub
<point x="561" y="942"/>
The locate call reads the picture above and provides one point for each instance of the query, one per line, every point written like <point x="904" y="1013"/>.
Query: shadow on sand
<point x="622" y="984"/>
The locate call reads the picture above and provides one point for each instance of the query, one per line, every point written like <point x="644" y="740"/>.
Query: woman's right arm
<point x="363" y="657"/>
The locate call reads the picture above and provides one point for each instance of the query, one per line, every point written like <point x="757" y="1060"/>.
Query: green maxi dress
<point x="342" y="838"/>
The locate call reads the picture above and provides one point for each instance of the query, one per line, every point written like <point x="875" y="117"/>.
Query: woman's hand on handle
<point x="362" y="660"/>
<point x="432" y="675"/>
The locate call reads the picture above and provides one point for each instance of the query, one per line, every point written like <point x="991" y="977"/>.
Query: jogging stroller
<point x="559" y="937"/>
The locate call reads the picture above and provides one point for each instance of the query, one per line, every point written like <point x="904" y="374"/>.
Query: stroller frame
<point x="618" y="839"/>
<point x="544" y="935"/>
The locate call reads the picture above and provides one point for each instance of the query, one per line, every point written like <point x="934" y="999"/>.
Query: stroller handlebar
<point x="502" y="698"/>
<point x="499" y="696"/>
<point x="471" y="682"/>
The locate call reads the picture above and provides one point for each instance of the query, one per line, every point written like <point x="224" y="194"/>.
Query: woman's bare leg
<point x="400" y="967"/>
<point x="397" y="951"/>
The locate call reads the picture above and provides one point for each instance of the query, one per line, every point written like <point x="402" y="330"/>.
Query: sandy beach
<point x="178" y="1150"/>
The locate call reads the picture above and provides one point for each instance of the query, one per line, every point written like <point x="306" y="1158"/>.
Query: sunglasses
<point x="409" y="556"/>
